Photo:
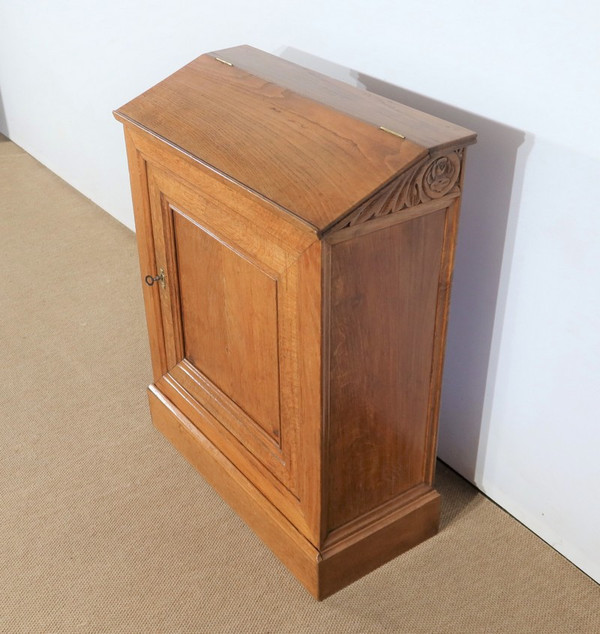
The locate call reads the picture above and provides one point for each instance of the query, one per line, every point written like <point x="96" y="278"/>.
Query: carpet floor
<point x="105" y="528"/>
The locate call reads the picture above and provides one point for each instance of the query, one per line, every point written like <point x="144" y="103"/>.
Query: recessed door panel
<point x="229" y="321"/>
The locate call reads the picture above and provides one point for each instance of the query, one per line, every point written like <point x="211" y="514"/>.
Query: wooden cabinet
<point x="296" y="238"/>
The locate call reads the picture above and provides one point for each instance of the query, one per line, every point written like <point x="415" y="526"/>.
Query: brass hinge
<point x="223" y="61"/>
<point x="392" y="132"/>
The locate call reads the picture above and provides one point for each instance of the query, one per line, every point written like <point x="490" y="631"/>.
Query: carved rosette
<point x="432" y="178"/>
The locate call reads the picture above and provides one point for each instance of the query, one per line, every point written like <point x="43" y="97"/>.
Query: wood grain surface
<point x="314" y="161"/>
<point x="229" y="318"/>
<point x="384" y="290"/>
<point x="421" y="128"/>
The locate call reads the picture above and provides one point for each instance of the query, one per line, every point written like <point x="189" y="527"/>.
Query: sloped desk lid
<point x="311" y="144"/>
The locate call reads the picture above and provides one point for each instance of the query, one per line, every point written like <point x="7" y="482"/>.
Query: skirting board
<point x="321" y="573"/>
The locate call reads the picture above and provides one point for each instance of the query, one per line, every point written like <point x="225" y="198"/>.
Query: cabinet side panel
<point x="383" y="298"/>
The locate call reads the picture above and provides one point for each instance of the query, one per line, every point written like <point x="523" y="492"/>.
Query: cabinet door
<point x="240" y="341"/>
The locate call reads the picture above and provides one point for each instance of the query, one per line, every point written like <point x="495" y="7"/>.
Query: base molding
<point x="321" y="572"/>
<point x="349" y="559"/>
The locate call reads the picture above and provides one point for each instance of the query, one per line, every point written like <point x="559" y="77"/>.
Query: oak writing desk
<point x="296" y="239"/>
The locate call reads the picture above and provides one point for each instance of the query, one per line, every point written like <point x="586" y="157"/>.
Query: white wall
<point x="519" y="415"/>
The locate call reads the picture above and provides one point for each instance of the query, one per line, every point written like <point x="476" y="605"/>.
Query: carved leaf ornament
<point x="430" y="179"/>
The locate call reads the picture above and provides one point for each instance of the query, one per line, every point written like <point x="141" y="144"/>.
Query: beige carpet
<point x="104" y="528"/>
